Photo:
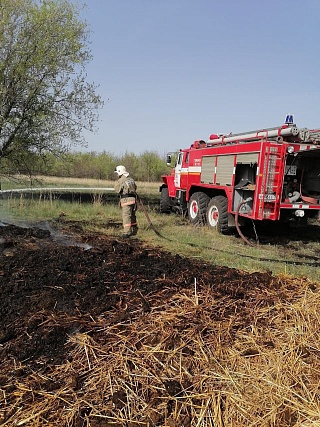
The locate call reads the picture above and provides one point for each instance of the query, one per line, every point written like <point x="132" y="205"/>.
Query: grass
<point x="146" y="188"/>
<point x="232" y="252"/>
<point x="296" y="258"/>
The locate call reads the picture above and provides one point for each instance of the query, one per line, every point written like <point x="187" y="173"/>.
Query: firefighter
<point x="127" y="190"/>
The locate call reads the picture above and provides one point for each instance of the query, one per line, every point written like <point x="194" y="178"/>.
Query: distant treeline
<point x="148" y="166"/>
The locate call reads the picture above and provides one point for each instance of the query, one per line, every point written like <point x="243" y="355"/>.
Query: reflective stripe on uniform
<point x="128" y="203"/>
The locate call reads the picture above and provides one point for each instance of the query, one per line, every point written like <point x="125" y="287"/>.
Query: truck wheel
<point x="165" y="202"/>
<point x="217" y="214"/>
<point x="197" y="208"/>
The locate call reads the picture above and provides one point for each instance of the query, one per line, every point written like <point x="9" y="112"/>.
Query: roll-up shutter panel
<point x="247" y="158"/>
<point x="225" y="170"/>
<point x="207" y="169"/>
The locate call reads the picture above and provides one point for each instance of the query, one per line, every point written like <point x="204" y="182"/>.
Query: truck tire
<point x="165" y="202"/>
<point x="197" y="208"/>
<point x="217" y="214"/>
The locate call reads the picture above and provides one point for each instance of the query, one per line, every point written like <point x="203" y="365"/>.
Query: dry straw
<point x="189" y="360"/>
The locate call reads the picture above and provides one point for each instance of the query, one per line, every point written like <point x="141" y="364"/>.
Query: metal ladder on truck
<point x="271" y="175"/>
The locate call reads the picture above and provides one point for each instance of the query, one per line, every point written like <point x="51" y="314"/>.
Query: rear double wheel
<point x="217" y="214"/>
<point x="197" y="208"/>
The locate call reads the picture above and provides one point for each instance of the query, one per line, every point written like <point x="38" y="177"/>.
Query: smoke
<point x="38" y="227"/>
<point x="61" y="238"/>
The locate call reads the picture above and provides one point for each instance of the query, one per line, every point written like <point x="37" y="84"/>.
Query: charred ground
<point x="88" y="276"/>
<point x="54" y="289"/>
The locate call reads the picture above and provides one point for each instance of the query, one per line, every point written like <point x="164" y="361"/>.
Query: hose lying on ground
<point x="160" y="235"/>
<point x="237" y="223"/>
<point x="147" y="216"/>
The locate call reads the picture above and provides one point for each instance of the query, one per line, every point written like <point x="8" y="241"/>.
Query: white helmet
<point x="121" y="170"/>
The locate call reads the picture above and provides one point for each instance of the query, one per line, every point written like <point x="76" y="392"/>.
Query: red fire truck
<point x="270" y="174"/>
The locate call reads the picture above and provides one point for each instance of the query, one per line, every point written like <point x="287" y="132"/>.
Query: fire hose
<point x="243" y="237"/>
<point x="147" y="216"/>
<point x="236" y="220"/>
<point x="151" y="225"/>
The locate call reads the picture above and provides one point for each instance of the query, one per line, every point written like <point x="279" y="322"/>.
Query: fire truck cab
<point x="270" y="174"/>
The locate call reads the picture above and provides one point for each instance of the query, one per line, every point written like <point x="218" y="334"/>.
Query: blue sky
<point x="173" y="71"/>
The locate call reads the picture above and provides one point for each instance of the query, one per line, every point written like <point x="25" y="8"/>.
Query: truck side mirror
<point x="169" y="159"/>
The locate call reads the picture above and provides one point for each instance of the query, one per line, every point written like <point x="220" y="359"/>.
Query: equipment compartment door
<point x="225" y="170"/>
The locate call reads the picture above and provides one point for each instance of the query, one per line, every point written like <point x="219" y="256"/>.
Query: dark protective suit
<point x="126" y="188"/>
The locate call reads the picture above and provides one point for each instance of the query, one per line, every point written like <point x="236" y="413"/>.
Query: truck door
<point x="177" y="171"/>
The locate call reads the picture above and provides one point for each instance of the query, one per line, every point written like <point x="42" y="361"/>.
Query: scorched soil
<point x="55" y="289"/>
